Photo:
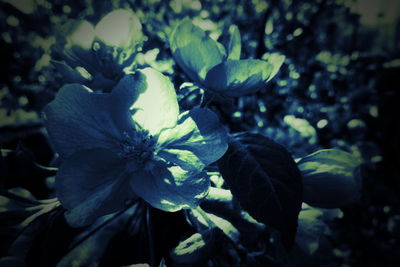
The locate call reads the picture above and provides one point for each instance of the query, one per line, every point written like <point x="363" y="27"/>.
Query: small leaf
<point x="239" y="77"/>
<point x="312" y="228"/>
<point x="264" y="178"/>
<point x="194" y="50"/>
<point x="220" y="203"/>
<point x="276" y="60"/>
<point x="234" y="45"/>
<point x="197" y="248"/>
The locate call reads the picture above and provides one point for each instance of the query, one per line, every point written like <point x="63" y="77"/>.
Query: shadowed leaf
<point x="266" y="181"/>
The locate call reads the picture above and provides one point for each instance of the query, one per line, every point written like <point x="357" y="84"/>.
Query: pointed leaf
<point x="234" y="45"/>
<point x="276" y="60"/>
<point x="264" y="178"/>
<point x="198" y="248"/>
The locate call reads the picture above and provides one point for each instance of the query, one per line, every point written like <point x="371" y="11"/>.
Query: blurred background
<point x="336" y="89"/>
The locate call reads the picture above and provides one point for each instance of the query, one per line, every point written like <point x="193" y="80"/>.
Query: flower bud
<point x="330" y="178"/>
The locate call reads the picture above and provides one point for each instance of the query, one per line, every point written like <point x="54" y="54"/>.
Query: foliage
<point x="300" y="95"/>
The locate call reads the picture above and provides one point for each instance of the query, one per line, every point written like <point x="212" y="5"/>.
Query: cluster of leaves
<point x="325" y="95"/>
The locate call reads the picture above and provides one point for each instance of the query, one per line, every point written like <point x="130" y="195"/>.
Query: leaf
<point x="234" y="45"/>
<point x="50" y="241"/>
<point x="90" y="250"/>
<point x="239" y="77"/>
<point x="138" y="237"/>
<point x="313" y="227"/>
<point x="68" y="74"/>
<point x="331" y="178"/>
<point x="220" y="202"/>
<point x="276" y="60"/>
<point x="194" y="50"/>
<point x="198" y="248"/>
<point x="264" y="178"/>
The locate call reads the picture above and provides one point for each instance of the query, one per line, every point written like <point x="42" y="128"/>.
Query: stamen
<point x="138" y="145"/>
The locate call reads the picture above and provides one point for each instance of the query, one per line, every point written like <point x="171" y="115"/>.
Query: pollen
<point x="137" y="145"/>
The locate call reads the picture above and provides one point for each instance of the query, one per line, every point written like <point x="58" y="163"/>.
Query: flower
<point x="120" y="28"/>
<point x="217" y="69"/>
<point x="130" y="143"/>
<point x="97" y="55"/>
<point x="331" y="178"/>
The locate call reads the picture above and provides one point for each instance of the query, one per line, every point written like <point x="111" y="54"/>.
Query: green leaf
<point x="276" y="60"/>
<point x="262" y="175"/>
<point x="198" y="248"/>
<point x="194" y="51"/>
<point x="234" y="45"/>
<point x="331" y="178"/>
<point x="239" y="77"/>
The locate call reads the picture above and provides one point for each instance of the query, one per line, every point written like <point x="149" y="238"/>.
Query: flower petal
<point x="239" y="77"/>
<point x="92" y="183"/>
<point x="156" y="107"/>
<point x="170" y="189"/>
<point x="120" y="28"/>
<point x="198" y="140"/>
<point x="194" y="50"/>
<point x="79" y="119"/>
<point x="79" y="33"/>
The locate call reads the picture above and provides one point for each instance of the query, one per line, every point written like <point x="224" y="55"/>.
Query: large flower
<point x="128" y="143"/>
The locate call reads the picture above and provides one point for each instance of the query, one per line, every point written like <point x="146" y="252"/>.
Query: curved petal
<point x="92" y="183"/>
<point x="79" y="119"/>
<point x="170" y="189"/>
<point x="156" y="107"/>
<point x="239" y="77"/>
<point x="120" y="28"/>
<point x="198" y="140"/>
<point x="79" y="33"/>
<point x="194" y="50"/>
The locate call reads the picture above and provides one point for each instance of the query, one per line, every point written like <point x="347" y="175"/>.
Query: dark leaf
<point x="52" y="241"/>
<point x="91" y="245"/>
<point x="264" y="178"/>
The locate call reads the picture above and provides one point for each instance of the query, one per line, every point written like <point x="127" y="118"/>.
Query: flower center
<point x="138" y="145"/>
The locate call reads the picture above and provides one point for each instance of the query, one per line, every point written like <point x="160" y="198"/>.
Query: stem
<point x="150" y="237"/>
<point x="204" y="215"/>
